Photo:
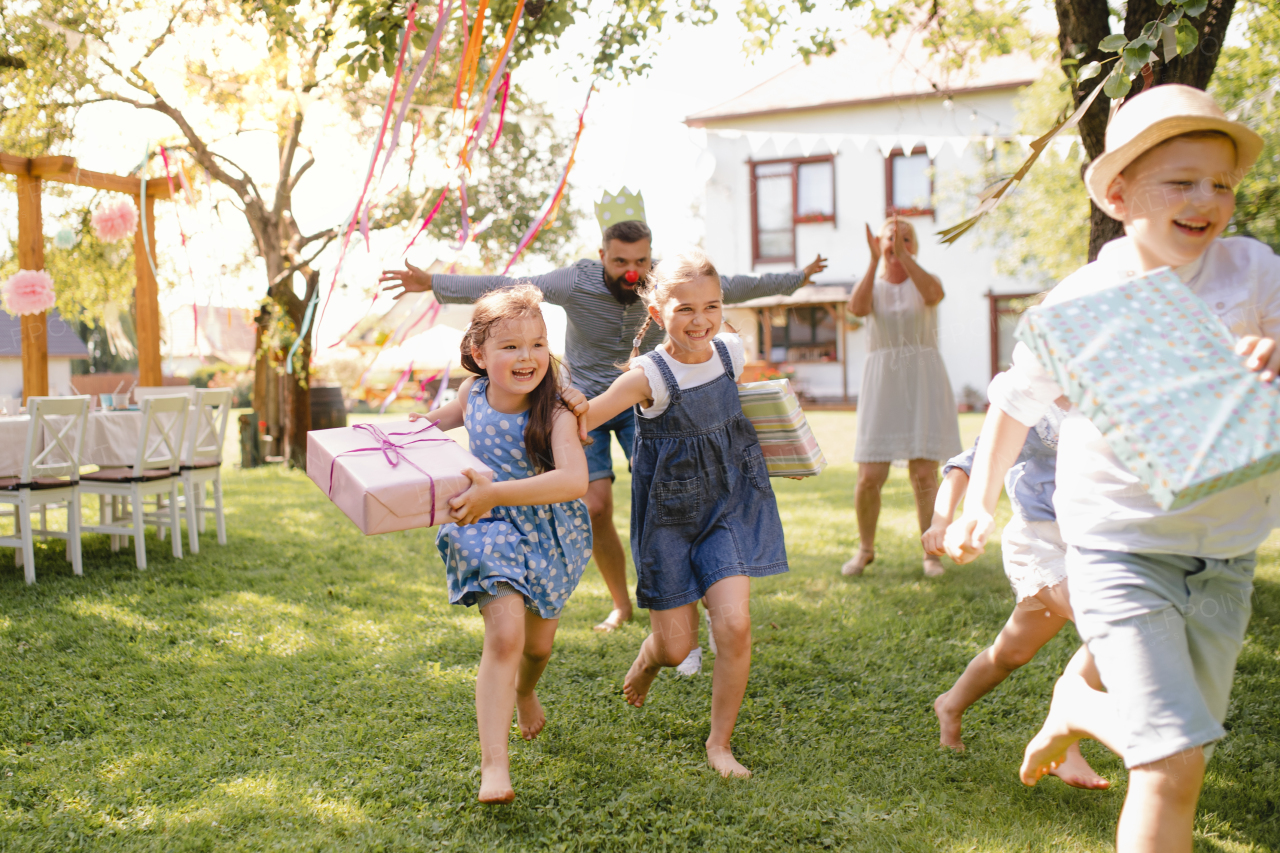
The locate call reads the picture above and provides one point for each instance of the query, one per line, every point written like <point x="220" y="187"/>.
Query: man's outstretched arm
<point x="555" y="285"/>
<point x="740" y="288"/>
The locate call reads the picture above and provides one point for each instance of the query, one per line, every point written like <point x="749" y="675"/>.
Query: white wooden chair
<point x="142" y="392"/>
<point x="154" y="471"/>
<point x="202" y="465"/>
<point x="50" y="474"/>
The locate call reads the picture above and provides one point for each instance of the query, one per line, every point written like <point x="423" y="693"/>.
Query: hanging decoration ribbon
<point x="497" y="73"/>
<point x="395" y="389"/>
<point x="195" y="312"/>
<point x="470" y="60"/>
<point x="428" y="53"/>
<point x="547" y="214"/>
<point x="502" y="111"/>
<point x="409" y="29"/>
<point x="430" y="216"/>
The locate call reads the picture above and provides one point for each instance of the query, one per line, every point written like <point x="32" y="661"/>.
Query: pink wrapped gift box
<point x="390" y="476"/>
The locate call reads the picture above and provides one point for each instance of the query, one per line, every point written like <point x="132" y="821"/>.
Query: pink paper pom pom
<point x="114" y="220"/>
<point x="28" y="292"/>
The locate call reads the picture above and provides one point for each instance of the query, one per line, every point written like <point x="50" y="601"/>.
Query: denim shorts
<point x="600" y="452"/>
<point x="1165" y="631"/>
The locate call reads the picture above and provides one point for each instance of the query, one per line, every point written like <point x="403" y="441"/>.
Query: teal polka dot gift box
<point x="1156" y="372"/>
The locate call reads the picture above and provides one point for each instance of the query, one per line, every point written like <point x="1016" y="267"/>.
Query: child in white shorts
<point x="1035" y="564"/>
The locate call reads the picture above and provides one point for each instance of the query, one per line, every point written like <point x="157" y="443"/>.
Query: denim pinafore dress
<point x="702" y="508"/>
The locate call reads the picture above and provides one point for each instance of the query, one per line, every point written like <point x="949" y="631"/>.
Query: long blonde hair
<point x="687" y="266"/>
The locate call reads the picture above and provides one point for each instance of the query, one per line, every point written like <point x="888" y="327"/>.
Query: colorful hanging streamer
<point x="548" y="212"/>
<point x="502" y="112"/>
<point x="349" y="227"/>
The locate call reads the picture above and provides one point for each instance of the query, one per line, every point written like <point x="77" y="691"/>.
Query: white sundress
<point x="906" y="409"/>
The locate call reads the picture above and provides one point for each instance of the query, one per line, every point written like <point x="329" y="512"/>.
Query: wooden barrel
<point x="328" y="410"/>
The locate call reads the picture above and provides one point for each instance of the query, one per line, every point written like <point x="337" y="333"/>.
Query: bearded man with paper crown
<point x="604" y="312"/>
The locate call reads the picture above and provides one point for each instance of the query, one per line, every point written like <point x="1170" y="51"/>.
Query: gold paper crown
<point x="621" y="206"/>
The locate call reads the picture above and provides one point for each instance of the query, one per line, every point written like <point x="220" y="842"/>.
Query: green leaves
<point x="1188" y="37"/>
<point x="1113" y="43"/>
<point x="1118" y="84"/>
<point x="1089" y="71"/>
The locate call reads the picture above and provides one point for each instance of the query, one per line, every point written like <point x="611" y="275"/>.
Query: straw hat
<point x="1157" y="114"/>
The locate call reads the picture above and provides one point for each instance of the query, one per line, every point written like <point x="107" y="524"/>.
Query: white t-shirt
<point x="1099" y="501"/>
<point x="687" y="375"/>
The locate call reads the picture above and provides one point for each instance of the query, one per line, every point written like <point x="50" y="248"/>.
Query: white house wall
<point x="966" y="269"/>
<point x="11" y="376"/>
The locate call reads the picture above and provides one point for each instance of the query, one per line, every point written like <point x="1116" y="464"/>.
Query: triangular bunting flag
<point x="808" y="141"/>
<point x="908" y="143"/>
<point x="958" y="144"/>
<point x="886" y="145"/>
<point x="860" y="140"/>
<point x="933" y="145"/>
<point x="756" y="139"/>
<point x="832" y="141"/>
<point x="782" y="140"/>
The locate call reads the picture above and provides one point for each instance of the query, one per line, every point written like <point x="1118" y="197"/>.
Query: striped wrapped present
<point x="790" y="450"/>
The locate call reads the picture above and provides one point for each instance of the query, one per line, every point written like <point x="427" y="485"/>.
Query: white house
<point x="806" y="160"/>
<point x="64" y="346"/>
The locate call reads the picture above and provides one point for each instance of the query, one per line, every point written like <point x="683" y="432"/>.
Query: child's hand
<point x="417" y="416"/>
<point x="1261" y="356"/>
<point x="578" y="404"/>
<point x="934" y="539"/>
<point x="473" y="504"/>
<point x="966" y="539"/>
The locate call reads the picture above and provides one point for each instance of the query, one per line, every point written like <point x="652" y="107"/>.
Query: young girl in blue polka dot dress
<point x="521" y="541"/>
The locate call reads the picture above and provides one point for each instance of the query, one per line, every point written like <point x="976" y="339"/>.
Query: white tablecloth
<point x="110" y="440"/>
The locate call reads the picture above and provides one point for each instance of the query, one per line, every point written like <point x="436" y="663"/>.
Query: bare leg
<point x="538" y="636"/>
<point x="1023" y="635"/>
<point x="1160" y="807"/>
<point x="1077" y="711"/>
<point x="496" y="694"/>
<point x="866" y="498"/>
<point x="606" y="548"/>
<point x="924" y="483"/>
<point x="729" y="603"/>
<point x="674" y="634"/>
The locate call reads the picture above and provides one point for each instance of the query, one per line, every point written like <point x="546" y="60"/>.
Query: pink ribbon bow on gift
<point x="394" y="453"/>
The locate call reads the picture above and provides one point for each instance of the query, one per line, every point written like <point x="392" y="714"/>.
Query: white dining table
<point x="110" y="439"/>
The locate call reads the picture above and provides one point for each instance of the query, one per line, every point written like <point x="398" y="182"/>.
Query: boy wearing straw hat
<point x="1161" y="597"/>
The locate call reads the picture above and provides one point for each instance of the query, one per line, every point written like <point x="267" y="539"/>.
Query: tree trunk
<point x="297" y="401"/>
<point x="1084" y="23"/>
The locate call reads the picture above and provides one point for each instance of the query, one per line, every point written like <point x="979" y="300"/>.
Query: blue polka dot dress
<point x="539" y="550"/>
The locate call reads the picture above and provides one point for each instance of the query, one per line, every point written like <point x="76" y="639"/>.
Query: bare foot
<point x="639" y="678"/>
<point x="949" y="723"/>
<point x="495" y="786"/>
<point x="933" y="567"/>
<point x="858" y="564"/>
<point x="1077" y="773"/>
<point x="1048" y="749"/>
<point x="529" y="715"/>
<point x="615" y="620"/>
<point x="722" y="761"/>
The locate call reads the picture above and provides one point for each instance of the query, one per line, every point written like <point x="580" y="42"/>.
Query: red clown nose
<point x="631" y="276"/>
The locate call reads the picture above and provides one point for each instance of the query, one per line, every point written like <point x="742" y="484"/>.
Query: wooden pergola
<point x="31" y="173"/>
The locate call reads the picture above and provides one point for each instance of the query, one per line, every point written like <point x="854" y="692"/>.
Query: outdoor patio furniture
<point x="50" y="475"/>
<point x="155" y="471"/>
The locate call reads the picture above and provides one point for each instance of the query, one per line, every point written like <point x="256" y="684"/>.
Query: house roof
<point x="63" y="342"/>
<point x="211" y="331"/>
<point x="869" y="70"/>
<point x="810" y="294"/>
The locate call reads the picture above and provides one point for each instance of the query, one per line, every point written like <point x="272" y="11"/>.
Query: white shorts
<point x="1035" y="558"/>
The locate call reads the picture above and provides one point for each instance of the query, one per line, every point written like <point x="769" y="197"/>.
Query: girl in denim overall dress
<point x="703" y="516"/>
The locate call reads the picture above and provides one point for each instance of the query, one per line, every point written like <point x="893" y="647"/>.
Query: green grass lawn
<point x="307" y="688"/>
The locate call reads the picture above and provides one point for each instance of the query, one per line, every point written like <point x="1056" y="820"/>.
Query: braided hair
<point x="685" y="267"/>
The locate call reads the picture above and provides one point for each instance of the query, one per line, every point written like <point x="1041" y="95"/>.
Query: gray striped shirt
<point x="601" y="329"/>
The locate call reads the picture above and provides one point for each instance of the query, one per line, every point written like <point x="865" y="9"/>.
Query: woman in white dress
<point x="906" y="409"/>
